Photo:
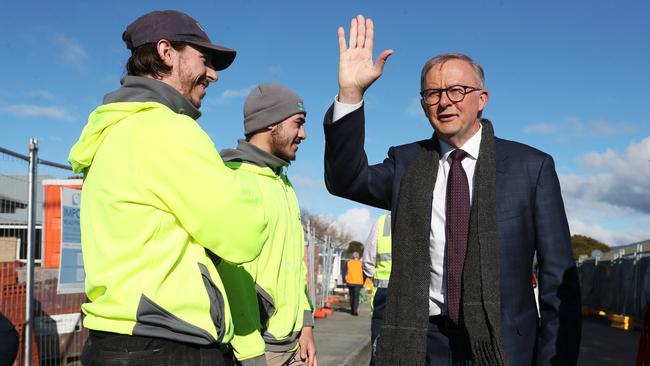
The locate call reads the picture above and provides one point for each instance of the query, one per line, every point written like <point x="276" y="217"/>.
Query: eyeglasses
<point x="455" y="93"/>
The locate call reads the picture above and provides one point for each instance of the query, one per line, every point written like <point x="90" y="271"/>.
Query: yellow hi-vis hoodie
<point x="269" y="300"/>
<point x="157" y="204"/>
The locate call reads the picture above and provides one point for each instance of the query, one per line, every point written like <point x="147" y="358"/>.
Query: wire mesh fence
<point x="323" y="267"/>
<point x="51" y="321"/>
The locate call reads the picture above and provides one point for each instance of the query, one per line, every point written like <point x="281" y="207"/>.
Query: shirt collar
<point x="471" y="147"/>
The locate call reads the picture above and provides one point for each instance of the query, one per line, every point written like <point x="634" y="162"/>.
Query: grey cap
<point x="268" y="104"/>
<point x="175" y="26"/>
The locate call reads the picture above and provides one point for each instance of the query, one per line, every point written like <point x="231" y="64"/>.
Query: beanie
<point x="268" y="104"/>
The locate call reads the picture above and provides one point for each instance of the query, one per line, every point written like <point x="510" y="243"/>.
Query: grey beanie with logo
<point x="268" y="104"/>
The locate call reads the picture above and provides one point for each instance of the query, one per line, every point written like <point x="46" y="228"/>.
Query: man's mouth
<point x="202" y="82"/>
<point x="446" y="117"/>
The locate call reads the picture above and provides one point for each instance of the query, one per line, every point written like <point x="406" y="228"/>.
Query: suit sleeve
<point x="558" y="342"/>
<point x="347" y="173"/>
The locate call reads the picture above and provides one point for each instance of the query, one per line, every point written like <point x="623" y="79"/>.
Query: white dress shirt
<point x="370" y="252"/>
<point x="437" y="236"/>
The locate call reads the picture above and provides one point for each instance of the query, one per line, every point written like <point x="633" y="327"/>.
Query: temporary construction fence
<point x="323" y="267"/>
<point x="613" y="282"/>
<point x="48" y="320"/>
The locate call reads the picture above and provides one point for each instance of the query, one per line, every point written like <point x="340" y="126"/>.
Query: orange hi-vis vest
<point x="355" y="273"/>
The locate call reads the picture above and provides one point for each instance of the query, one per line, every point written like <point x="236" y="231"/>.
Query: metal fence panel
<point x="57" y="335"/>
<point x="615" y="286"/>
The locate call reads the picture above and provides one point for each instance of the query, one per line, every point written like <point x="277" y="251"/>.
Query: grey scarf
<point x="403" y="336"/>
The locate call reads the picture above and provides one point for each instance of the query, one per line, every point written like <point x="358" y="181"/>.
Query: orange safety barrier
<point x="52" y="219"/>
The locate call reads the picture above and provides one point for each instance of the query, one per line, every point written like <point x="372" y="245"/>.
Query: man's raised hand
<point x="356" y="68"/>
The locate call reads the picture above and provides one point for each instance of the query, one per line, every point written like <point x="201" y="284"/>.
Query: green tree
<point x="585" y="245"/>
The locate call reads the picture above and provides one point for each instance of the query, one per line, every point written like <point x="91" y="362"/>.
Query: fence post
<point x="31" y="243"/>
<point x="310" y="255"/>
<point x="327" y="270"/>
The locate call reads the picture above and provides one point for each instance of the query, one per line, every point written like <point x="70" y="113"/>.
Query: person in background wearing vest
<point x="376" y="262"/>
<point x="159" y="205"/>
<point x="271" y="310"/>
<point x="354" y="280"/>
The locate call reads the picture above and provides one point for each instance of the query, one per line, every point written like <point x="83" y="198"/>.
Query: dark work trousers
<point x="378" y="305"/>
<point x="439" y="335"/>
<point x="112" y="349"/>
<point x="354" y="298"/>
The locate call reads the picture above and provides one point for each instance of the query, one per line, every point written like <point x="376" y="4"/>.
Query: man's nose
<point x="444" y="100"/>
<point x="302" y="133"/>
<point x="211" y="74"/>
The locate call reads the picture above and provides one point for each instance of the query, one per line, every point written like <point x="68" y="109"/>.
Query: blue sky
<point x="568" y="77"/>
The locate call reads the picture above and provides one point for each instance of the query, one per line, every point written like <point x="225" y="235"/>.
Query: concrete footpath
<point x="343" y="339"/>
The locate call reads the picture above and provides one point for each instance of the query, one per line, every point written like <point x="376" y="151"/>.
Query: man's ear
<point x="483" y="99"/>
<point x="166" y="52"/>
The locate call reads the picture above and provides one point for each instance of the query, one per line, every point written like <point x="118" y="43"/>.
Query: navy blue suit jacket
<point x="530" y="221"/>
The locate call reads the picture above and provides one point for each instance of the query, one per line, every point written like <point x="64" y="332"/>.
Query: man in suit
<point x="470" y="211"/>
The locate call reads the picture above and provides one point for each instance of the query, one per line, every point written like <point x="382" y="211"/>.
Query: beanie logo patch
<point x="300" y="106"/>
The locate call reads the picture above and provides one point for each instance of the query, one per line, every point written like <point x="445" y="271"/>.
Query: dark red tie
<point x="456" y="229"/>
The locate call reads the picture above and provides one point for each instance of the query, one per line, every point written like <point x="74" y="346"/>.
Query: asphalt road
<point x="603" y="345"/>
<point x="344" y="340"/>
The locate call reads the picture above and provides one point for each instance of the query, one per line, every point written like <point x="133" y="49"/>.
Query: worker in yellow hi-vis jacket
<point x="376" y="264"/>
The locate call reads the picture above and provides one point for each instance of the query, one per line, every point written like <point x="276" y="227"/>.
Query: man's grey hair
<point x="442" y="59"/>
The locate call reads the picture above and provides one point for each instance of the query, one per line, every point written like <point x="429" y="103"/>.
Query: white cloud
<point x="357" y="222"/>
<point x="414" y="109"/>
<point x="300" y="181"/>
<point x="230" y="94"/>
<point x="613" y="204"/>
<point x="576" y="128"/>
<point x="610" y="237"/>
<point x="624" y="178"/>
<point x="71" y="52"/>
<point x="39" y="93"/>
<point x="36" y="111"/>
<point x="275" y="69"/>
<point x="541" y="129"/>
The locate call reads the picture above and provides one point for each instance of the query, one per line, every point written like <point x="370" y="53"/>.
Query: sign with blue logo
<point x="71" y="265"/>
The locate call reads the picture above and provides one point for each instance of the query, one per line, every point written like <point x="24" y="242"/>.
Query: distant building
<point x="14" y="194"/>
<point x="639" y="249"/>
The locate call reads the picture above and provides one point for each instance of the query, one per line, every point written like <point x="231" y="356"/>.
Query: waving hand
<point x="356" y="68"/>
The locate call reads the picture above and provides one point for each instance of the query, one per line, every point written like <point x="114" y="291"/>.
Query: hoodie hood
<point x="136" y="94"/>
<point x="249" y="153"/>
<point x="100" y="123"/>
